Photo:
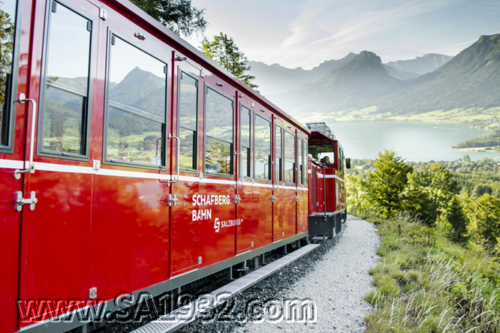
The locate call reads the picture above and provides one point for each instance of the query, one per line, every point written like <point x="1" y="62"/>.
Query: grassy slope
<point x="427" y="284"/>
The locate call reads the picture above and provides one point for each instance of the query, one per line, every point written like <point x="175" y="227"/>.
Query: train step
<point x="178" y="319"/>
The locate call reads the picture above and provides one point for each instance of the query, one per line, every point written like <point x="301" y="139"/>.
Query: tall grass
<point x="427" y="284"/>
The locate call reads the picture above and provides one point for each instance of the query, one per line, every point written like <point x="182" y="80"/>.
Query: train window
<point x="278" y="149"/>
<point x="323" y="153"/>
<point x="306" y="164"/>
<point x="262" y="148"/>
<point x="136" y="113"/>
<point x="65" y="100"/>
<point x="289" y="158"/>
<point x="188" y="120"/>
<point x="245" y="141"/>
<point x="8" y="17"/>
<point x="219" y="133"/>
<point x="301" y="161"/>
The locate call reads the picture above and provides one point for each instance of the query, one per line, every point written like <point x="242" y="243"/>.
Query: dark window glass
<point x="279" y="153"/>
<point x="67" y="79"/>
<point x="136" y="106"/>
<point x="306" y="163"/>
<point x="300" y="157"/>
<point x="245" y="141"/>
<point x="289" y="158"/>
<point x="262" y="149"/>
<point x="219" y="120"/>
<point x="7" y="34"/>
<point x="188" y="120"/>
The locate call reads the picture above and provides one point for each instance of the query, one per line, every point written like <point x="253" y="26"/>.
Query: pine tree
<point x="177" y="15"/>
<point x="488" y="218"/>
<point x="386" y="184"/>
<point x="457" y="219"/>
<point x="224" y="51"/>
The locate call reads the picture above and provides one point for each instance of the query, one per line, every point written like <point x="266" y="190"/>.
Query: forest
<point x="440" y="228"/>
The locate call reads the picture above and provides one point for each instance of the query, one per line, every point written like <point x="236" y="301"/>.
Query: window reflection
<point x="7" y="32"/>
<point x="136" y="106"/>
<point x="289" y="158"/>
<point x="245" y="141"/>
<point x="188" y="119"/>
<point x="66" y="86"/>
<point x="262" y="154"/>
<point x="279" y="155"/>
<point x="219" y="120"/>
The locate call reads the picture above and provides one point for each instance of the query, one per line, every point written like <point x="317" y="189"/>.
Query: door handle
<point x="31" y="166"/>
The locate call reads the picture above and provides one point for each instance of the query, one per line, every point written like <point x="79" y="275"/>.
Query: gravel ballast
<point x="334" y="278"/>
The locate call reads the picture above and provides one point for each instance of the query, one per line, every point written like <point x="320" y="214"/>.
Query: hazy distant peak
<point x="421" y="65"/>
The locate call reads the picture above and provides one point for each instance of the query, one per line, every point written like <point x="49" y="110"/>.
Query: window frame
<point x="8" y="122"/>
<point x="250" y="137"/>
<point x="205" y="99"/>
<point x="294" y="160"/>
<point x="270" y="179"/>
<point x="112" y="33"/>
<point x="280" y="177"/>
<point x="86" y="118"/>
<point x="196" y="143"/>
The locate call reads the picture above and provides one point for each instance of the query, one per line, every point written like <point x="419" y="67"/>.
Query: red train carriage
<point x="327" y="206"/>
<point x="130" y="162"/>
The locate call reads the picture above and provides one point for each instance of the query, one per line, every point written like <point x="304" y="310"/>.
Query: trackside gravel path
<point x="337" y="284"/>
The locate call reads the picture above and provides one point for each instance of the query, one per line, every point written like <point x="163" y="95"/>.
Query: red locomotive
<point x="131" y="162"/>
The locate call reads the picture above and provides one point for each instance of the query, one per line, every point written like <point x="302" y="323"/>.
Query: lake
<point x="415" y="141"/>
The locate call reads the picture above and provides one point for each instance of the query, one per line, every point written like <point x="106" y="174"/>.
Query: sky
<point x="304" y="33"/>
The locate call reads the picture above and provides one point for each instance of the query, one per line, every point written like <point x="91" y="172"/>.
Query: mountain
<point x="469" y="80"/>
<point x="136" y="86"/>
<point x="420" y="65"/>
<point x="275" y="79"/>
<point x="352" y="85"/>
<point x="400" y="75"/>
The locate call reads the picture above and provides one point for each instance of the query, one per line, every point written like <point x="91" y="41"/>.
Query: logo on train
<point x="201" y="213"/>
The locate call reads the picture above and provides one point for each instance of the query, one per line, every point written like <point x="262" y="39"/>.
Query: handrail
<point x="17" y="173"/>
<point x="240" y="171"/>
<point x="178" y="152"/>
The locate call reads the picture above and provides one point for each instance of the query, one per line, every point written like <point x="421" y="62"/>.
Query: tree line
<point x="460" y="197"/>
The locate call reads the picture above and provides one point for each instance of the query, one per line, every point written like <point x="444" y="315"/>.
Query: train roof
<point x="131" y="11"/>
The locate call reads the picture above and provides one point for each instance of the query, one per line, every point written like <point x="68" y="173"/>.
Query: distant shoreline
<point x="476" y="149"/>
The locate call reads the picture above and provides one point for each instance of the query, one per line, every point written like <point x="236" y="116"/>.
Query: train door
<point x="262" y="185"/>
<point x="278" y="184"/>
<point x="13" y="117"/>
<point x="217" y="226"/>
<point x="57" y="190"/>
<point x="290" y="188"/>
<point x="190" y="209"/>
<point x="130" y="211"/>
<point x="247" y="236"/>
<point x="302" y="187"/>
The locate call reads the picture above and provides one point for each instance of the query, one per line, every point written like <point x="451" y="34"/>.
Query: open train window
<point x="289" y="158"/>
<point x="278" y="149"/>
<point x="219" y="133"/>
<point x="262" y="148"/>
<point x="65" y="101"/>
<point x="8" y="72"/>
<point x="245" y="116"/>
<point x="323" y="153"/>
<point x="136" y="106"/>
<point x="188" y="121"/>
